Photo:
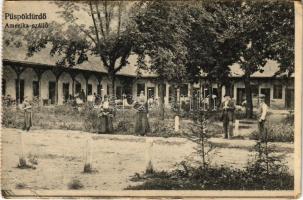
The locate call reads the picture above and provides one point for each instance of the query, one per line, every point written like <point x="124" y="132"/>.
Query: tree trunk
<point x="178" y="99"/>
<point x="111" y="77"/>
<point x="173" y="94"/>
<point x="210" y="95"/>
<point x="161" y="102"/>
<point x="18" y="90"/>
<point x="249" y="103"/>
<point x="219" y="98"/>
<point x="191" y="96"/>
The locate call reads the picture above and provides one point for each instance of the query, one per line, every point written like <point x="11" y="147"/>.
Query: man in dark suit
<point x="228" y="108"/>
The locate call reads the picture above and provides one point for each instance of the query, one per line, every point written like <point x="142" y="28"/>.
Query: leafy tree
<point x="104" y="31"/>
<point x="280" y="15"/>
<point x="212" y="44"/>
<point x="160" y="42"/>
<point x="248" y="32"/>
<point x="262" y="27"/>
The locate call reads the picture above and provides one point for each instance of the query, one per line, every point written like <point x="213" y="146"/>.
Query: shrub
<point x="265" y="172"/>
<point x="283" y="132"/>
<point x="87" y="168"/>
<point x="22" y="164"/>
<point x="21" y="186"/>
<point x="200" y="135"/>
<point x="162" y="128"/>
<point x="85" y="118"/>
<point x="12" y="117"/>
<point x="213" y="178"/>
<point x="149" y="168"/>
<point x="75" y="184"/>
<point x="33" y="159"/>
<point x="290" y="118"/>
<point x="92" y="121"/>
<point x="124" y="126"/>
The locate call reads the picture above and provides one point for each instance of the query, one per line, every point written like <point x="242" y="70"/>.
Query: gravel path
<point x="61" y="156"/>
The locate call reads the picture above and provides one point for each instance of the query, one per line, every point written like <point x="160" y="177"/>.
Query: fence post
<point x="236" y="132"/>
<point x="148" y="156"/>
<point x="177" y="123"/>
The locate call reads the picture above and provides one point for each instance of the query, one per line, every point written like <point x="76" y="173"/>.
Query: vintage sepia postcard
<point x="151" y="99"/>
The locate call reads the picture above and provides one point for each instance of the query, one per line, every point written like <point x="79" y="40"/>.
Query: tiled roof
<point x="270" y="68"/>
<point x="94" y="63"/>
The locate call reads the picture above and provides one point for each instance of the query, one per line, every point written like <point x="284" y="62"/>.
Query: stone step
<point x="245" y="127"/>
<point x="248" y="122"/>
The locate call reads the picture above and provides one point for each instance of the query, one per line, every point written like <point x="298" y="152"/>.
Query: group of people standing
<point x="106" y="115"/>
<point x="142" y="127"/>
<point x="228" y="116"/>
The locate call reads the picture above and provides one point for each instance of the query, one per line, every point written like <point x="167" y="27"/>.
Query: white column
<point x="156" y="90"/>
<point x="223" y="92"/>
<point x="167" y="94"/>
<point x="235" y="91"/>
<point x="146" y="91"/>
<point x="178" y="98"/>
<point x="134" y="90"/>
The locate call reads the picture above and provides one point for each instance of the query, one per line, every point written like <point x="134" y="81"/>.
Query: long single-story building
<point x="39" y="76"/>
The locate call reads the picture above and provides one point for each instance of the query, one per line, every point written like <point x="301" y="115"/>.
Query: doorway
<point x="3" y="87"/>
<point x="65" y="90"/>
<point x="241" y="95"/>
<point x="35" y="88"/>
<point x="78" y="88"/>
<point x="289" y="98"/>
<point x="266" y="92"/>
<point x="21" y="90"/>
<point x="52" y="91"/>
<point x="99" y="89"/>
<point x="118" y="92"/>
<point x="150" y="92"/>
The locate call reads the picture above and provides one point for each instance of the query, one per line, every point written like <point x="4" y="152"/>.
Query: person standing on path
<point x="142" y="124"/>
<point x="27" y="108"/>
<point x="262" y="116"/>
<point x="105" y="117"/>
<point x="228" y="108"/>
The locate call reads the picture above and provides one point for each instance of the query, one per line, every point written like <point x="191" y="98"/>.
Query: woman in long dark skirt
<point x="27" y="114"/>
<point x="105" y="117"/>
<point x="142" y="124"/>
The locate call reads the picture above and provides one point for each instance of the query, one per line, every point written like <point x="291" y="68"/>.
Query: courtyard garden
<point x="85" y="118"/>
<point x="62" y="136"/>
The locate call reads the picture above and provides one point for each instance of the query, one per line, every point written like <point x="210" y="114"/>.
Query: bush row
<point x="213" y="178"/>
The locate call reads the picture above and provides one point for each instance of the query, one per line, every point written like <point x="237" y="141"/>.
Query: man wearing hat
<point x="228" y="108"/>
<point x="262" y="114"/>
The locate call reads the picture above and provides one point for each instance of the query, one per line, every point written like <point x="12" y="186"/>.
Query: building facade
<point x="54" y="85"/>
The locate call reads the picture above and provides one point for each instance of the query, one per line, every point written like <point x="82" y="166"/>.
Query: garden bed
<point x="214" y="178"/>
<point x="85" y="118"/>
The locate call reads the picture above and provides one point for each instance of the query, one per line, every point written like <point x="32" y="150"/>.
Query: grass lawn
<point x="84" y="119"/>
